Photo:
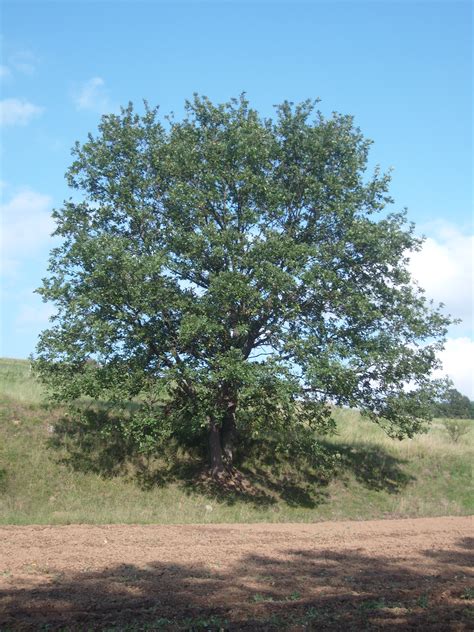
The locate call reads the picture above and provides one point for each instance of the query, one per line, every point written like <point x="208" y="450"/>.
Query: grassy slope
<point x="378" y="477"/>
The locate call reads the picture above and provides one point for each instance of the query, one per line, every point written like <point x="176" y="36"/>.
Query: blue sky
<point x="403" y="69"/>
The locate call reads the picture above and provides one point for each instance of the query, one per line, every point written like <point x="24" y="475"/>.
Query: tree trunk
<point x="229" y="431"/>
<point x="215" y="449"/>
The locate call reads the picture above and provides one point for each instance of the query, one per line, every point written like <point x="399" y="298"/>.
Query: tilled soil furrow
<point x="378" y="575"/>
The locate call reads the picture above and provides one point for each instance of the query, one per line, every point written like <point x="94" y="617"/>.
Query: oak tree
<point x="233" y="276"/>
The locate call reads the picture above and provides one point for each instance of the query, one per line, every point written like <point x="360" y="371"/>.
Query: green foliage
<point x="229" y="275"/>
<point x="456" y="428"/>
<point x="454" y="405"/>
<point x="468" y="593"/>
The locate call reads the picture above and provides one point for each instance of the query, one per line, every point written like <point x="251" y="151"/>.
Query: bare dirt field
<point x="387" y="575"/>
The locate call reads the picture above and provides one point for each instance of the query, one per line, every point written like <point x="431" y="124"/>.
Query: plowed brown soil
<point x="387" y="575"/>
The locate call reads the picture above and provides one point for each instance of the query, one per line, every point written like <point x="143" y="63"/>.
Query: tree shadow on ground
<point x="326" y="589"/>
<point x="84" y="446"/>
<point x="371" y="465"/>
<point x="92" y="443"/>
<point x="464" y="556"/>
<point x="256" y="484"/>
<point x="96" y="443"/>
<point x="3" y="479"/>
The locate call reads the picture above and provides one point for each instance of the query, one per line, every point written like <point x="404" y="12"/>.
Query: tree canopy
<point x="455" y="405"/>
<point x="233" y="275"/>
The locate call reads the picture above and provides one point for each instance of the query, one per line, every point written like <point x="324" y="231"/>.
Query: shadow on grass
<point x="3" y="479"/>
<point x="325" y="589"/>
<point x="371" y="465"/>
<point x="93" y="443"/>
<point x="96" y="443"/>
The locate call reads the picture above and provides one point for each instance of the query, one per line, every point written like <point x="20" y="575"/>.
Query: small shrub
<point x="423" y="601"/>
<point x="468" y="593"/>
<point x="258" y="598"/>
<point x="456" y="428"/>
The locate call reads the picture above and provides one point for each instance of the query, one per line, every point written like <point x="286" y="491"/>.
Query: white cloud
<point x="92" y="95"/>
<point x="444" y="268"/>
<point x="18" y="112"/>
<point x="458" y="363"/>
<point x="26" y="227"/>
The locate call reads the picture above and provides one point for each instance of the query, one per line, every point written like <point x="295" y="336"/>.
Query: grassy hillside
<point x="46" y="478"/>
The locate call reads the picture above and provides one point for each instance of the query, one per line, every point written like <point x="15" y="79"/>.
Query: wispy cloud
<point x="4" y="71"/>
<point x="18" y="112"/>
<point x="34" y="314"/>
<point x="23" y="61"/>
<point x="26" y="227"/>
<point x="92" y="95"/>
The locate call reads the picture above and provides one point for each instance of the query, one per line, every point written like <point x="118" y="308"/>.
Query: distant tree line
<point x="454" y="405"/>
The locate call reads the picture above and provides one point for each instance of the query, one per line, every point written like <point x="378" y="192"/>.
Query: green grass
<point x="43" y="482"/>
<point x="17" y="383"/>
